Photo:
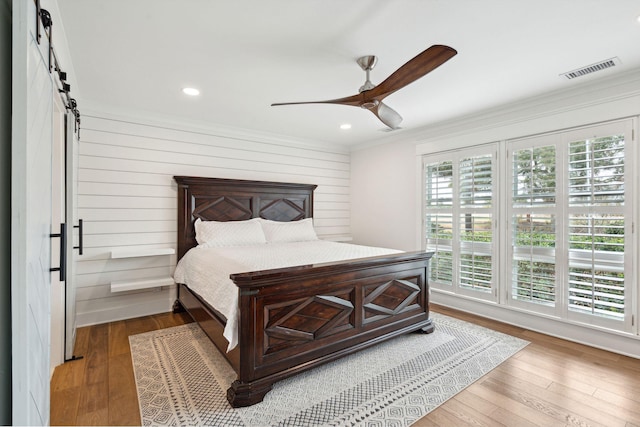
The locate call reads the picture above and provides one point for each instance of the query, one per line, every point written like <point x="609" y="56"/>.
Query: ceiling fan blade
<point x="387" y="115"/>
<point x="417" y="67"/>
<point x="354" y="100"/>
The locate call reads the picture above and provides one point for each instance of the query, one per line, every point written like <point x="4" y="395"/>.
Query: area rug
<point x="182" y="379"/>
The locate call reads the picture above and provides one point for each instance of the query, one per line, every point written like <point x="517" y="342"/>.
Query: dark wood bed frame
<point x="293" y="319"/>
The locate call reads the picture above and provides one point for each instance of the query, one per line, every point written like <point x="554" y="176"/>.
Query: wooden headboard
<point x="214" y="199"/>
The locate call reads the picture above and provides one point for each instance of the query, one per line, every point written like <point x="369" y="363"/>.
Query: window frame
<point x="456" y="211"/>
<point x="624" y="127"/>
<point x="502" y="252"/>
<point x="555" y="254"/>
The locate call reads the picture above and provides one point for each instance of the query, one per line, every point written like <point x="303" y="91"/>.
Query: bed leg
<point x="428" y="328"/>
<point x="243" y="394"/>
<point x="177" y="307"/>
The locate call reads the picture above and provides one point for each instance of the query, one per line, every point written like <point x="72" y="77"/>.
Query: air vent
<point x="599" y="66"/>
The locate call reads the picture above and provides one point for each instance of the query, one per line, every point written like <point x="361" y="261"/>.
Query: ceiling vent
<point x="598" y="66"/>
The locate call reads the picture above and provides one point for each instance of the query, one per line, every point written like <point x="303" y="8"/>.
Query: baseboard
<point x="625" y="344"/>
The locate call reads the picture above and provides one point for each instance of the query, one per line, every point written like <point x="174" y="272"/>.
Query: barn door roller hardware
<point x="44" y="17"/>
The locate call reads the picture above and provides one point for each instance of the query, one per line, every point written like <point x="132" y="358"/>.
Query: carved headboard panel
<point x="215" y="199"/>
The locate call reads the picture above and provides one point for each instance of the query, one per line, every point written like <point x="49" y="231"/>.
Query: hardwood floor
<point x="100" y="389"/>
<point x="551" y="382"/>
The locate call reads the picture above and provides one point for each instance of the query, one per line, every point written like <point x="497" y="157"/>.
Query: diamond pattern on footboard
<point x="391" y="298"/>
<point x="306" y="320"/>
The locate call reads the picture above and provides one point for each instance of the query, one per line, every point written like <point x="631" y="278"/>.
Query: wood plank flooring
<point x="551" y="382"/>
<point x="99" y="389"/>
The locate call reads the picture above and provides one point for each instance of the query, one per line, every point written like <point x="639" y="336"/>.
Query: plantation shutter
<point x="459" y="225"/>
<point x="533" y="225"/>
<point x="542" y="224"/>
<point x="596" y="276"/>
<point x="570" y="225"/>
<point x="438" y="225"/>
<point x="476" y="222"/>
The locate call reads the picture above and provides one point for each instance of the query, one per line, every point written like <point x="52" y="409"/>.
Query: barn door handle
<point x="80" y="239"/>
<point x="63" y="253"/>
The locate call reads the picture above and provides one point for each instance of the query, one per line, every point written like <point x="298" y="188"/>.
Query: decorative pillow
<point x="294" y="231"/>
<point x="216" y="234"/>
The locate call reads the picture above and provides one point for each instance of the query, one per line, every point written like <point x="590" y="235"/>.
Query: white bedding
<point x="206" y="270"/>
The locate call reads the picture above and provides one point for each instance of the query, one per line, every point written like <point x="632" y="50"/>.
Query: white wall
<point x="127" y="198"/>
<point x="586" y="103"/>
<point x="383" y="202"/>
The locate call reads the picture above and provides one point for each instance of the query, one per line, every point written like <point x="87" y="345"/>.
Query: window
<point x="439" y="220"/>
<point x="533" y="224"/>
<point x="476" y="222"/>
<point x="596" y="228"/>
<point x="565" y="216"/>
<point x="459" y="222"/>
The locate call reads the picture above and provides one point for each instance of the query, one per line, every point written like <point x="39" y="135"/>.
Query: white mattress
<point x="206" y="270"/>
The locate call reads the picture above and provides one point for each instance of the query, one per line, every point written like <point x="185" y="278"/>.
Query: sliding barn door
<point x="32" y="110"/>
<point x="74" y="242"/>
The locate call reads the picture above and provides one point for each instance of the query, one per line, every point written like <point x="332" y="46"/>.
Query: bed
<point x="294" y="318"/>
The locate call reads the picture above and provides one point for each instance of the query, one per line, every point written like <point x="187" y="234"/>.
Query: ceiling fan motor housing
<point x="370" y="104"/>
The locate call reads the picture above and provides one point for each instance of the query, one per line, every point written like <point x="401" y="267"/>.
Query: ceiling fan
<point x="370" y="96"/>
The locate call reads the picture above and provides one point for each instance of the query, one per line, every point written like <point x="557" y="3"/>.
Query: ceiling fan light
<point x="389" y="116"/>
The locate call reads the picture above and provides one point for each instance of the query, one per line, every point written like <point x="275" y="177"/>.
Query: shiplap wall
<point x="127" y="199"/>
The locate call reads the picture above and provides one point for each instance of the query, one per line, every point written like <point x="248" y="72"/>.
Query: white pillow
<point x="216" y="234"/>
<point x="294" y="231"/>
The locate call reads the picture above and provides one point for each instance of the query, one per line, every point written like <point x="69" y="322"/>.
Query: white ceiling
<point x="134" y="56"/>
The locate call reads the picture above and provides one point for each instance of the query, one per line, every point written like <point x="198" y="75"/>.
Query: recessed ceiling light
<point x="345" y="126"/>
<point x="191" y="91"/>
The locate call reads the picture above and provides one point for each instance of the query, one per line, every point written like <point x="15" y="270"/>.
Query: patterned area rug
<point x="182" y="379"/>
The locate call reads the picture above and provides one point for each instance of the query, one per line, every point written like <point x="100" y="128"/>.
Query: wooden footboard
<point x="294" y="319"/>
